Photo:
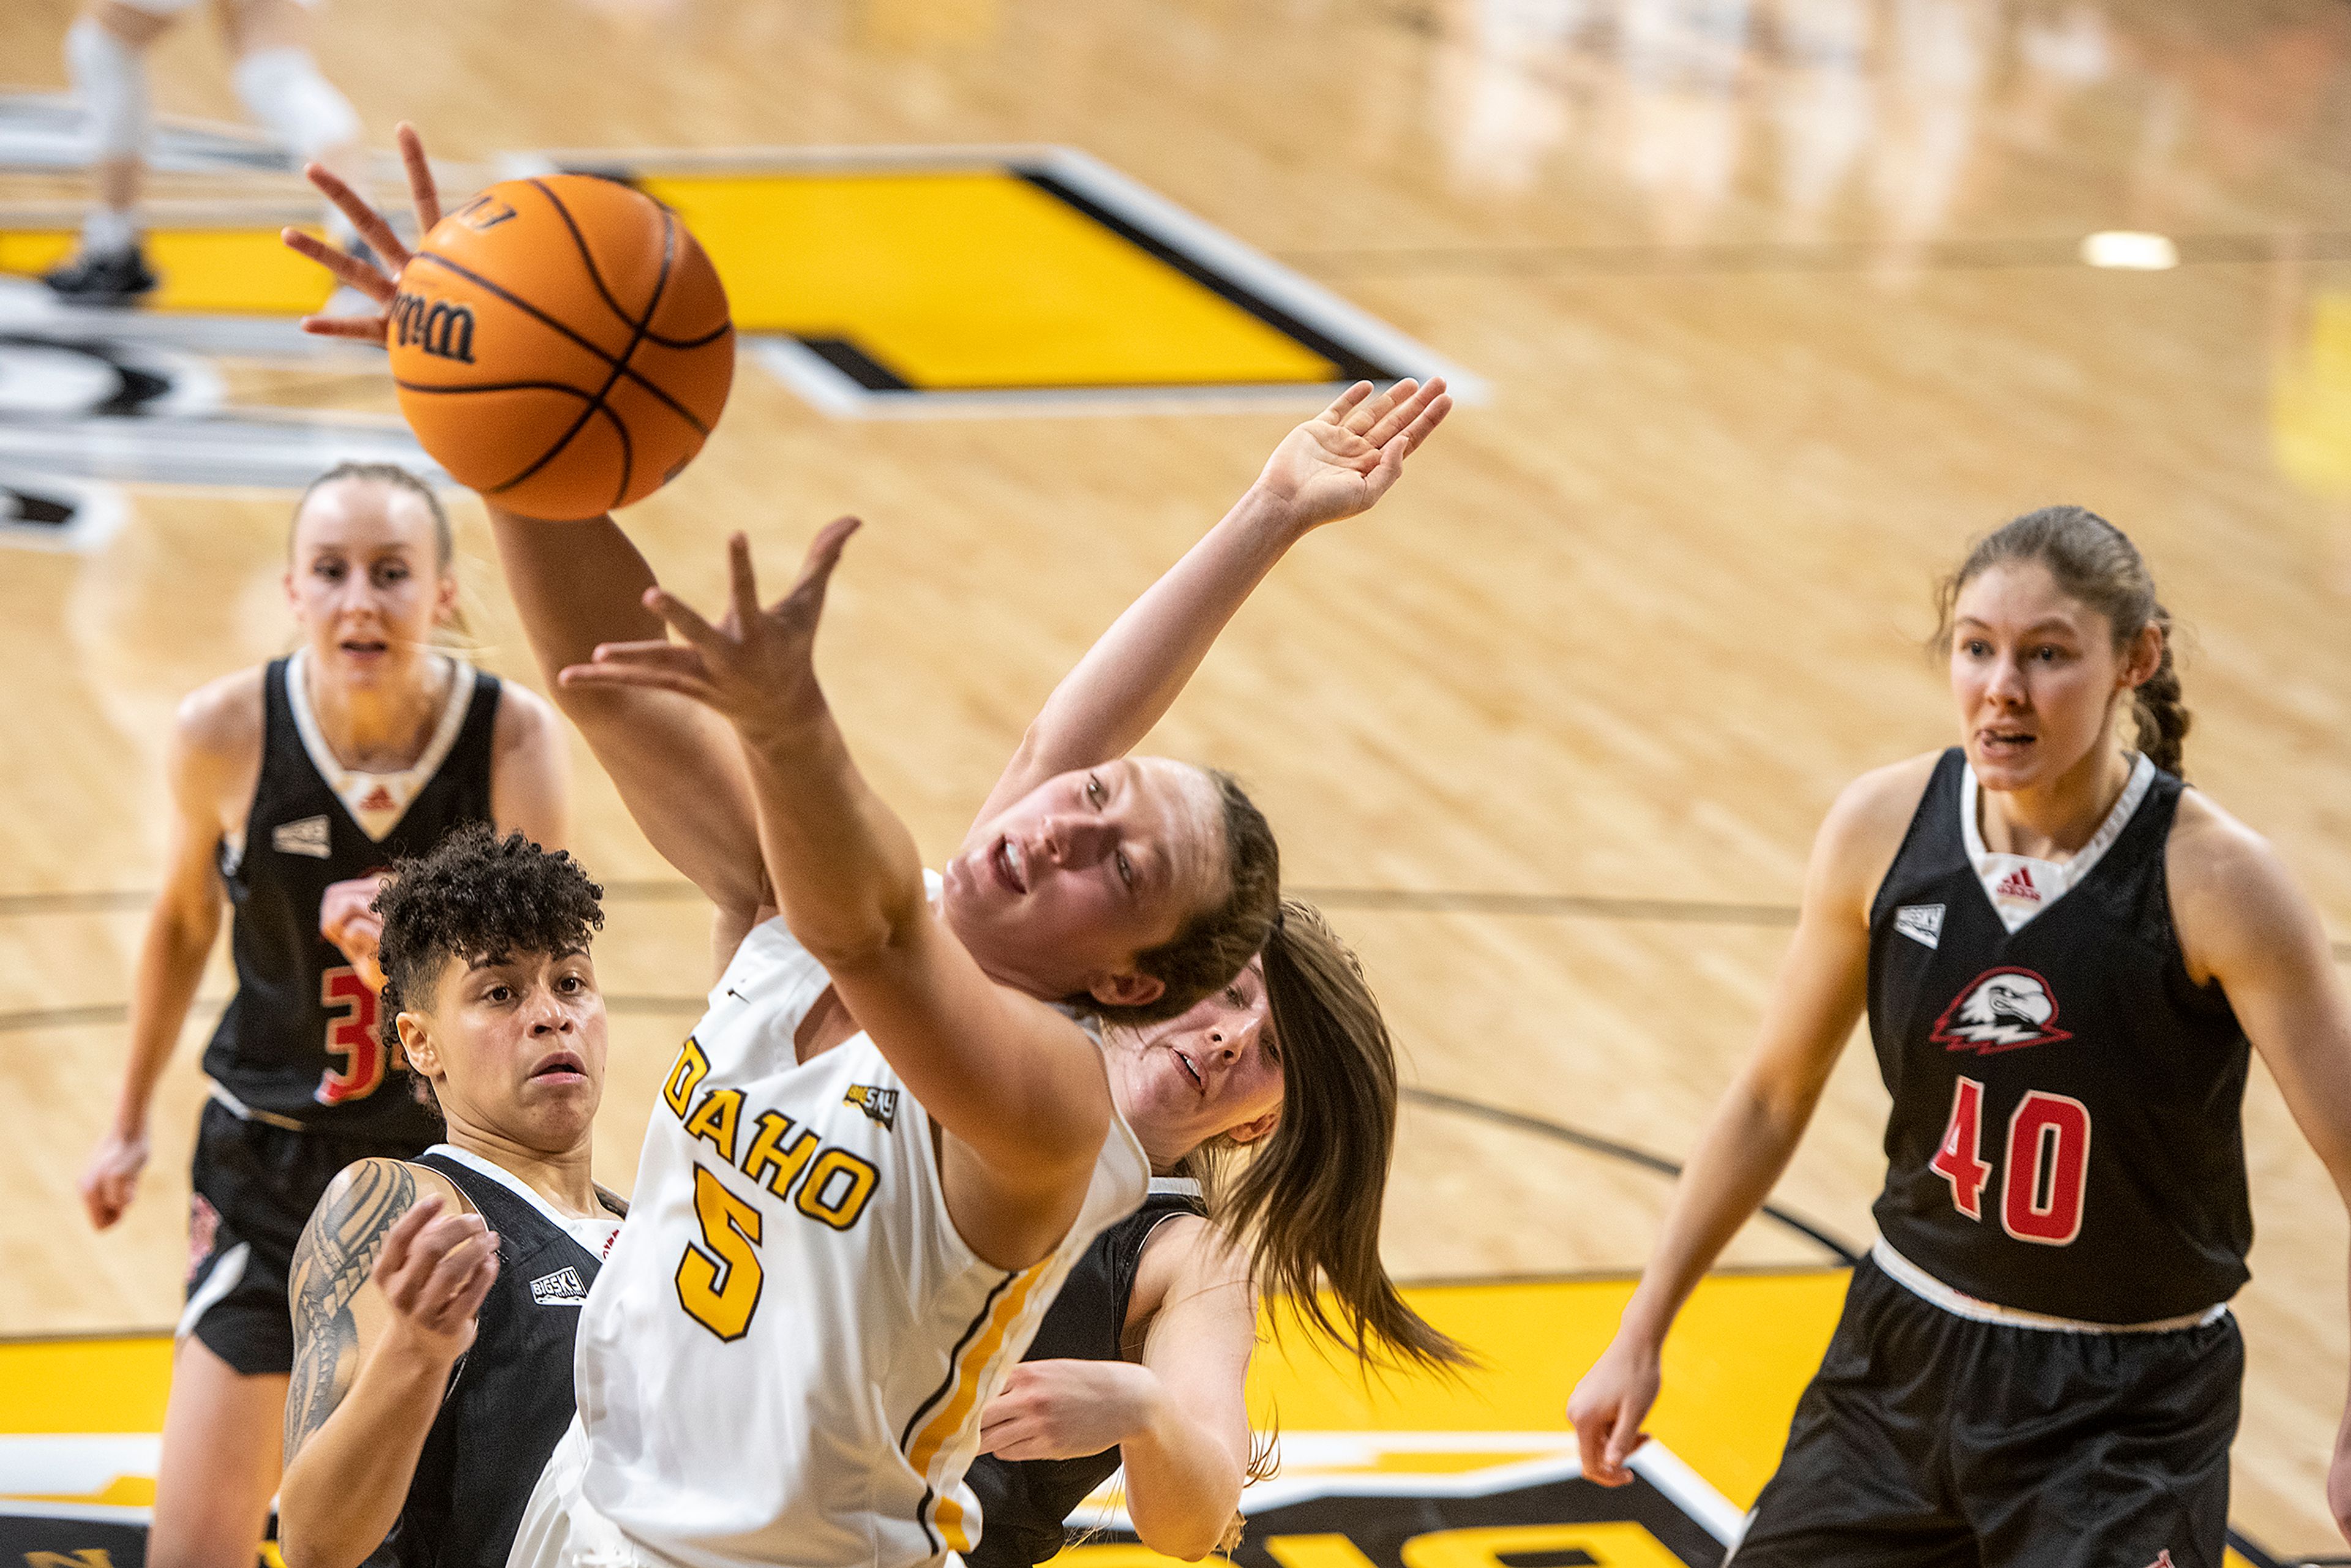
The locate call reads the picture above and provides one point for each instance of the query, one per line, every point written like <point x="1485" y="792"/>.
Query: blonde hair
<point x="454" y="635"/>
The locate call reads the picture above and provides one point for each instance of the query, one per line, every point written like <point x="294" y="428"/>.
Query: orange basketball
<point x="561" y="345"/>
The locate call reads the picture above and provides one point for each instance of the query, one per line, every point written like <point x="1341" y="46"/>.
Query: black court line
<point x="1373" y="900"/>
<point x="1827" y="256"/>
<point x="1522" y="1122"/>
<point x="1548" y="906"/>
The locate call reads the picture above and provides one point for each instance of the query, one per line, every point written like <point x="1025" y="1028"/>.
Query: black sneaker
<point x="113" y="279"/>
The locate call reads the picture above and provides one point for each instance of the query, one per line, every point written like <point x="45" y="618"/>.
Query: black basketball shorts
<point x="255" y="1185"/>
<point x="1931" y="1440"/>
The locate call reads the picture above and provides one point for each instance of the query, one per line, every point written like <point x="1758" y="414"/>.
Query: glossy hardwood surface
<point x="1780" y="304"/>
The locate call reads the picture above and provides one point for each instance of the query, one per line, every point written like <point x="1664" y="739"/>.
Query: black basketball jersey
<point x="2066" y="1136"/>
<point x="299" y="1040"/>
<point x="1022" y="1503"/>
<point x="509" y="1397"/>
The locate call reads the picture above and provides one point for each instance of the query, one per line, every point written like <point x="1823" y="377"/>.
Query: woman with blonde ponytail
<point x="294" y="786"/>
<point x="2064" y="954"/>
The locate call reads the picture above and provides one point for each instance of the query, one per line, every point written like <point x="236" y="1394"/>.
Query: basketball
<point x="561" y="345"/>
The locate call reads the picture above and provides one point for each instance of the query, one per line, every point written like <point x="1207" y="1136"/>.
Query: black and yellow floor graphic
<point x="885" y="281"/>
<point x="1409" y="1472"/>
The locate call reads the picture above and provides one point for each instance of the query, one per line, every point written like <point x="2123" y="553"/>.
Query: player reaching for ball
<point x="2062" y="951"/>
<point x="293" y="784"/>
<point x="844" y="1235"/>
<point x="560" y="343"/>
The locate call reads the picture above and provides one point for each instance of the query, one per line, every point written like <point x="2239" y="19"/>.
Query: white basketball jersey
<point x="785" y="1357"/>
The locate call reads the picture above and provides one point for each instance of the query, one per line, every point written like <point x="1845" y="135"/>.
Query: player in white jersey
<point x="793" y="1209"/>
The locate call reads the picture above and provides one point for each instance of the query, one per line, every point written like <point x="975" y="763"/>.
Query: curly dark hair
<point x="475" y="895"/>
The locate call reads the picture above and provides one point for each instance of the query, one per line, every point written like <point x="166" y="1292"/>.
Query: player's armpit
<point x="332" y="1263"/>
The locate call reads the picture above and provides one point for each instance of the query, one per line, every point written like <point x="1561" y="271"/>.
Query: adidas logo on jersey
<point x="2017" y="884"/>
<point x="1922" y="923"/>
<point x="2162" y="1559"/>
<point x="306" y="837"/>
<point x="882" y="1105"/>
<point x="378" y="799"/>
<point x="561" y="1289"/>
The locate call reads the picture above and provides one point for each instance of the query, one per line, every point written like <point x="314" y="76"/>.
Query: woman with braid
<point x="2064" y="952"/>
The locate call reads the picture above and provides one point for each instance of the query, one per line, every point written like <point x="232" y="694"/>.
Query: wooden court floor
<point x="1779" y="303"/>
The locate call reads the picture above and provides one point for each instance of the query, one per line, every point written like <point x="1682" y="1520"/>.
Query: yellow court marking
<point x="1740" y="1355"/>
<point x="969" y="280"/>
<point x="84" y="1384"/>
<point x="205" y="272"/>
<point x="1743" y="1351"/>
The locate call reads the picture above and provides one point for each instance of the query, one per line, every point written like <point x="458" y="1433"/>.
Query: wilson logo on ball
<point x="482" y="213"/>
<point x="440" y="328"/>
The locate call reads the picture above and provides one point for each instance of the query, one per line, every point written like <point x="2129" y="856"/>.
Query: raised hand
<point x="434" y="1270"/>
<point x="1341" y="460"/>
<point x="755" y="666"/>
<point x="381" y="281"/>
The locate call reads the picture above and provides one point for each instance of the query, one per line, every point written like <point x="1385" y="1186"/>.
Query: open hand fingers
<point x="423" y="193"/>
<point x="1401" y="446"/>
<point x="742" y="580"/>
<point x="347" y="268"/>
<point x="823" y="555"/>
<point x="680" y="617"/>
<point x="365" y="328"/>
<point x="628" y="675"/>
<point x="364" y="218"/>
<point x="1373" y="410"/>
<point x="1345" y="402"/>
<point x="1399" y="416"/>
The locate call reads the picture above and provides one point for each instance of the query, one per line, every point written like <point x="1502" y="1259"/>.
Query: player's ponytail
<point x="2163" y="718"/>
<point x="1307" y="1203"/>
<point x="2095" y="563"/>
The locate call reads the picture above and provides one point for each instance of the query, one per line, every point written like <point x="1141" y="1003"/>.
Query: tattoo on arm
<point x="335" y="1255"/>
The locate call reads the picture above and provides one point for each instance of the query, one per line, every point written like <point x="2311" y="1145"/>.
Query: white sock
<point x="106" y="232"/>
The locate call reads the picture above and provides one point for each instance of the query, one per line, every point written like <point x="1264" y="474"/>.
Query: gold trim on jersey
<point x="967" y="1371"/>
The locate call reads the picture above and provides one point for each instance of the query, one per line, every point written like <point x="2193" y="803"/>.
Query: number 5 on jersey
<point x="2044" y="1176"/>
<point x="718" y="1280"/>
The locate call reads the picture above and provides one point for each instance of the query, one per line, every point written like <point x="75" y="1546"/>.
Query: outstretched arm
<point x="1816" y="1001"/>
<point x="1333" y="467"/>
<point x="577" y="584"/>
<point x="1019" y="1084"/>
<point x="385" y="1284"/>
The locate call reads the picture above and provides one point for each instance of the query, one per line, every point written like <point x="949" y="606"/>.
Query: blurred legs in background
<point x="276" y="80"/>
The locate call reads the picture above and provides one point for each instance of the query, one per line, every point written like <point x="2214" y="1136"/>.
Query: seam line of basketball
<point x="580" y="241"/>
<point x="596" y="277"/>
<point x="620" y="367"/>
<point x="535" y="313"/>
